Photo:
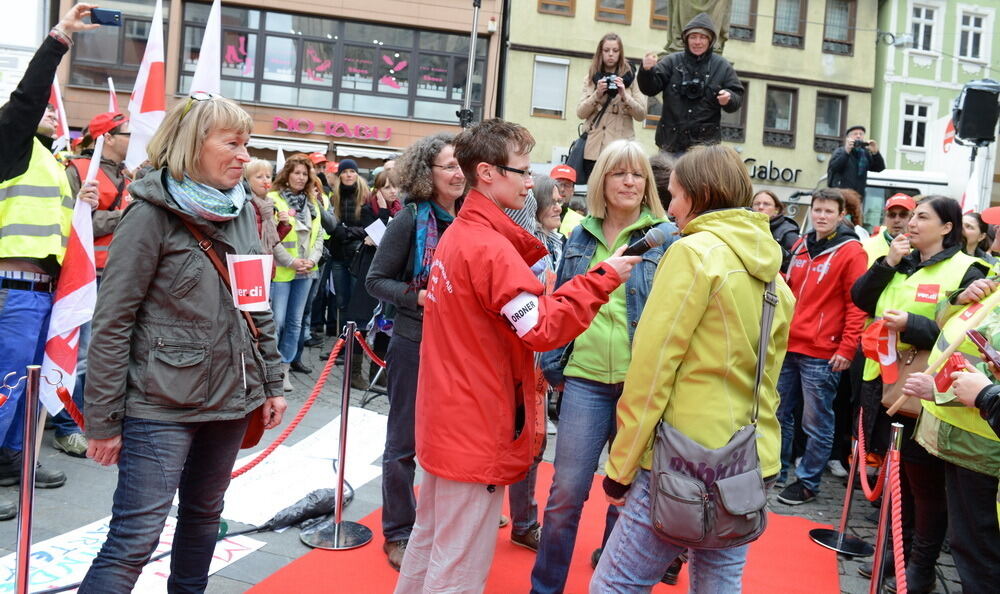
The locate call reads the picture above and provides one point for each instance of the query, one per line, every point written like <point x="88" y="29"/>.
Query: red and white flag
<point x="208" y="72"/>
<point x="148" y="105"/>
<point x="62" y="129"/>
<point x="73" y="306"/>
<point x="112" y="97"/>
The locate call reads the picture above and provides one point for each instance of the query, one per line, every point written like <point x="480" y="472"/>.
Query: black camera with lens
<point x="694" y="88"/>
<point x="861" y="144"/>
<point x="612" y="85"/>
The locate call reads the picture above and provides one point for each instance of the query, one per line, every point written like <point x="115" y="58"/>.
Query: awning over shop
<point x="288" y="145"/>
<point x="363" y="151"/>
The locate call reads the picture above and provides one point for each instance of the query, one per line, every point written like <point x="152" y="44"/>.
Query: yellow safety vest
<point x="919" y="294"/>
<point x="289" y="241"/>
<point x="959" y="416"/>
<point x="875" y="246"/>
<point x="36" y="209"/>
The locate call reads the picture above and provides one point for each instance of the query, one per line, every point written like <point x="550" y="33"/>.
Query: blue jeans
<point x="305" y="333"/>
<point x="635" y="558"/>
<point x="586" y="424"/>
<point x="288" y="299"/>
<point x="159" y="458"/>
<point x="63" y="423"/>
<point x="24" y="324"/>
<point x="812" y="382"/>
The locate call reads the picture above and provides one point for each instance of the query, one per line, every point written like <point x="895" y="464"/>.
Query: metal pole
<point x="27" y="478"/>
<point x="839" y="540"/>
<point x="895" y="442"/>
<point x="465" y="115"/>
<point x="336" y="534"/>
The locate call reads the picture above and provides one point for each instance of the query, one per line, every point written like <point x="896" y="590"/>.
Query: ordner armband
<point x="522" y="312"/>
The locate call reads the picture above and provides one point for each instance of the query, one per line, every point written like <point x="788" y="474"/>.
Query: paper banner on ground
<point x="291" y="473"/>
<point x="65" y="559"/>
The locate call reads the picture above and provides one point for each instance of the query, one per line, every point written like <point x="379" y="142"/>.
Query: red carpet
<point x="783" y="560"/>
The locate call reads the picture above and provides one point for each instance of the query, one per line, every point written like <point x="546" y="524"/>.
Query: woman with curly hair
<point x="431" y="184"/>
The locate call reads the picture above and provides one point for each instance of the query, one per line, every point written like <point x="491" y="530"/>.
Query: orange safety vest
<point x="110" y="197"/>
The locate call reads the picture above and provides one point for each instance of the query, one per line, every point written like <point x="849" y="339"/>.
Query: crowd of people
<point x="500" y="299"/>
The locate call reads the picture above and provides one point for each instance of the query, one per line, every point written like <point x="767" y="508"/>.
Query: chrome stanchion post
<point x="336" y="534"/>
<point x="27" y="496"/>
<point x="895" y="442"/>
<point x="839" y="540"/>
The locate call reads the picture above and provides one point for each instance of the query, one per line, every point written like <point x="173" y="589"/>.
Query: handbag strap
<point x="766" y="320"/>
<point x="206" y="246"/>
<point x="600" y="115"/>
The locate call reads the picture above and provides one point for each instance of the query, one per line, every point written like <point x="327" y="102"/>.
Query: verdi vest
<point x="36" y="209"/>
<point x="289" y="241"/>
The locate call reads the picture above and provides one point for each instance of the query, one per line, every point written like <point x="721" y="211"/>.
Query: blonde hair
<point x="177" y="143"/>
<point x="618" y="153"/>
<point x="360" y="197"/>
<point x="254" y="166"/>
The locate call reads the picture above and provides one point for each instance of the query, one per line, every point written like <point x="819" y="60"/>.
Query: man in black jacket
<point x="850" y="164"/>
<point x="696" y="85"/>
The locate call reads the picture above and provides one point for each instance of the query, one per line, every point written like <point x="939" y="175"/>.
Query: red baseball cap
<point x="332" y="167"/>
<point x="317" y="158"/>
<point x="991" y="215"/>
<point x="563" y="172"/>
<point x="900" y="200"/>
<point x="105" y="122"/>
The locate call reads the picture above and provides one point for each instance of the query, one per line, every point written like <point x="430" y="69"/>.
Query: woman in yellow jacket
<point x="693" y="361"/>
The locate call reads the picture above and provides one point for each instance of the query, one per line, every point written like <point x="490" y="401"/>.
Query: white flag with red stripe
<point x="72" y="306"/>
<point x="148" y="104"/>
<point x="62" y="128"/>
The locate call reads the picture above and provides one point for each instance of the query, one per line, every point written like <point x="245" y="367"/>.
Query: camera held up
<point x="612" y="91"/>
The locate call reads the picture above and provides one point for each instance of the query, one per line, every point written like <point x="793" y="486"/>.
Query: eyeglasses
<point x="620" y="175"/>
<point x="197" y="96"/>
<point x="521" y="172"/>
<point x="449" y="169"/>
<point x="121" y="134"/>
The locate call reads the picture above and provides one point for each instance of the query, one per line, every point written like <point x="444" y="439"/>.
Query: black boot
<point x="358" y="381"/>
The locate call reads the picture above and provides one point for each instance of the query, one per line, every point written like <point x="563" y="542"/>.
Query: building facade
<point x="362" y="79"/>
<point x="927" y="51"/>
<point x="808" y="68"/>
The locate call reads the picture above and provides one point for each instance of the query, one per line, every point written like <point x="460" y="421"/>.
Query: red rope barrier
<point x="67" y="401"/>
<point x="896" y="499"/>
<point x="870" y="493"/>
<point x="302" y="413"/>
<point x="368" y="350"/>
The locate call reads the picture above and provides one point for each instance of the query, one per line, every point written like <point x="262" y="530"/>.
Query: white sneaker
<point x="550" y="427"/>
<point x="836" y="468"/>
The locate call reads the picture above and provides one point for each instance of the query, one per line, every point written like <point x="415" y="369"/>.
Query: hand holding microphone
<point x="898" y="249"/>
<point x="653" y="238"/>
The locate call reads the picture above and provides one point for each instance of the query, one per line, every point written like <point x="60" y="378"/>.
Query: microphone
<point x="653" y="238"/>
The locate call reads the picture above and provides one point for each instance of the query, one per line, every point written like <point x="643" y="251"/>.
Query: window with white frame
<point x="922" y="27"/>
<point x="971" y="30"/>
<point x="548" y="91"/>
<point x="915" y="119"/>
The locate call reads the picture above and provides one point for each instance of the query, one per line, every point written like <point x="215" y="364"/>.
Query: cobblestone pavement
<point x="862" y="523"/>
<point x="87" y="497"/>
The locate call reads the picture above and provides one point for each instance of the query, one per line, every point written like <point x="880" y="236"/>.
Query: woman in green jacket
<point x="693" y="361"/>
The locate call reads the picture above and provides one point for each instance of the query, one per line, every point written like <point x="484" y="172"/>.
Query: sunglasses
<point x="197" y="96"/>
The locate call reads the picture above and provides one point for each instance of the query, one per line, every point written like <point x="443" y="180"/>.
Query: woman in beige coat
<point x="610" y="82"/>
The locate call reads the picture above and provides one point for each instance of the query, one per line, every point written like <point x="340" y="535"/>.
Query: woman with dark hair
<point x="609" y="102"/>
<point x="662" y="165"/>
<point x="694" y="358"/>
<point x="852" y="206"/>
<point x="976" y="236"/>
<point x="432" y="184"/>
<point x="924" y="266"/>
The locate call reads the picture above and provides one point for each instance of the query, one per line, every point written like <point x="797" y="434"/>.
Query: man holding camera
<point x="850" y="164"/>
<point x="696" y="85"/>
